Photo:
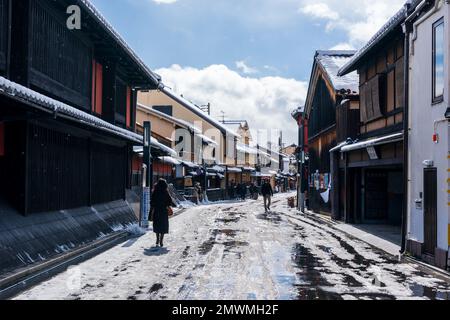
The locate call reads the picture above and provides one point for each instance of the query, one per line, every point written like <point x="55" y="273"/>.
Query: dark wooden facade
<point x="324" y="113"/>
<point x="371" y="185"/>
<point x="381" y="87"/>
<point x="50" y="163"/>
<point x="4" y="23"/>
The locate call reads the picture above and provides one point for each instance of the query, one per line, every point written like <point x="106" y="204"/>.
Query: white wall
<point x="422" y="117"/>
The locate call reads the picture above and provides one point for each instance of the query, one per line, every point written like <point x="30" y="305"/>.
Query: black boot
<point x="157" y="239"/>
<point x="161" y="241"/>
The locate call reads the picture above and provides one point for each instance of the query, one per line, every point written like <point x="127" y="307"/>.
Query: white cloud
<point x="244" y="68"/>
<point x="343" y="46"/>
<point x="164" y="1"/>
<point x="359" y="19"/>
<point x="265" y="102"/>
<point x="320" y="10"/>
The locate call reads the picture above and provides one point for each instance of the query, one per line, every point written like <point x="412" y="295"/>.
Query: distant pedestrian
<point x="231" y="190"/>
<point x="254" y="191"/>
<point x="267" y="193"/>
<point x="238" y="191"/>
<point x="243" y="191"/>
<point x="198" y="193"/>
<point x="161" y="204"/>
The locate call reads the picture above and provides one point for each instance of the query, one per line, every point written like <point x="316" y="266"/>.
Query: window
<point x="390" y="91"/>
<point x="97" y="88"/>
<point x="438" y="61"/>
<point x="164" y="109"/>
<point x="128" y="107"/>
<point x="121" y="103"/>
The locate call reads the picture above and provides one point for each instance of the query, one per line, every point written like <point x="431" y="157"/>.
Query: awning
<point x="157" y="145"/>
<point x="248" y="169"/>
<point x="190" y="164"/>
<point x="373" y="142"/>
<point x="207" y="140"/>
<point x="170" y="160"/>
<point x="261" y="175"/>
<point x="339" y="146"/>
<point x="217" y="169"/>
<point x="234" y="170"/>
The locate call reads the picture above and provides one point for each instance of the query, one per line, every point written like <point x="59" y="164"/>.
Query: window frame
<point x="436" y="99"/>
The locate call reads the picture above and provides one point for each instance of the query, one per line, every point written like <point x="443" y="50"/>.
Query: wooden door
<point x="376" y="208"/>
<point x="430" y="210"/>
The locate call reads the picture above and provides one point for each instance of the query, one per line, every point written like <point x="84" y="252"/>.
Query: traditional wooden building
<point x="67" y="120"/>
<point x="371" y="164"/>
<point x="213" y="146"/>
<point x="171" y="131"/>
<point x="327" y="94"/>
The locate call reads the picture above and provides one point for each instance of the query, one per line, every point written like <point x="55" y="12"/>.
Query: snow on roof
<point x="246" y="149"/>
<point x="192" y="107"/>
<point x="87" y="4"/>
<point x="170" y="160"/>
<point x="207" y="140"/>
<point x="42" y="102"/>
<point x="332" y="61"/>
<point x="190" y="164"/>
<point x="217" y="168"/>
<point x="394" y="22"/>
<point x="234" y="170"/>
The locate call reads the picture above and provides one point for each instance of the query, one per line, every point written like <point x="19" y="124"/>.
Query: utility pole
<point x="147" y="176"/>
<point x="206" y="108"/>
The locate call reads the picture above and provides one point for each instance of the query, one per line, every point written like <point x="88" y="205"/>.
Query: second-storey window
<point x="97" y="88"/>
<point x="438" y="60"/>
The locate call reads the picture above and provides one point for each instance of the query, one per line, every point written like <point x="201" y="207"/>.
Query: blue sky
<point x="250" y="58"/>
<point x="199" y="33"/>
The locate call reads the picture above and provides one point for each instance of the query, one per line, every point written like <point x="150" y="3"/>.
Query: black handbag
<point x="151" y="215"/>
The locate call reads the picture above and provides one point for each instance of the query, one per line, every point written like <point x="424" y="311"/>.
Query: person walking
<point x="198" y="193"/>
<point x="161" y="204"/>
<point x="243" y="191"/>
<point x="267" y="193"/>
<point x="254" y="191"/>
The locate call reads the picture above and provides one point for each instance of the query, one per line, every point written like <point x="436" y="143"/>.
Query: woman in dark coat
<point x="160" y="203"/>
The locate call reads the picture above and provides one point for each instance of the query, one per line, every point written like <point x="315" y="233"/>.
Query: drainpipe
<point x="407" y="29"/>
<point x="416" y="13"/>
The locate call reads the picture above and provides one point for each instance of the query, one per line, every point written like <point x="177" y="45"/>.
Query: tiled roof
<point x="87" y="4"/>
<point x="331" y="62"/>
<point x="60" y="109"/>
<point x="393" y="23"/>
<point x="192" y="107"/>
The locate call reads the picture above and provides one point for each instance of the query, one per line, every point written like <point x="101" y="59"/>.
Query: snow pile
<point x="135" y="230"/>
<point x="187" y="204"/>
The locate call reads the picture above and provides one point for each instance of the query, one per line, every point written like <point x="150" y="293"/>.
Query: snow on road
<point x="236" y="251"/>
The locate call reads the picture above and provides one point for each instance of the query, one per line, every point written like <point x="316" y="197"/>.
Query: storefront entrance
<point x="383" y="196"/>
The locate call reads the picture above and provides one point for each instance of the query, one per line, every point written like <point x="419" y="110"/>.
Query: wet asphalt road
<point x="236" y="251"/>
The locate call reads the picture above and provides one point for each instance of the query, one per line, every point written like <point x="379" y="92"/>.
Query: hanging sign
<point x="372" y="153"/>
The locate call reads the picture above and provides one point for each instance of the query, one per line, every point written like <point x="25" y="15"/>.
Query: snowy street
<point x="236" y="251"/>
